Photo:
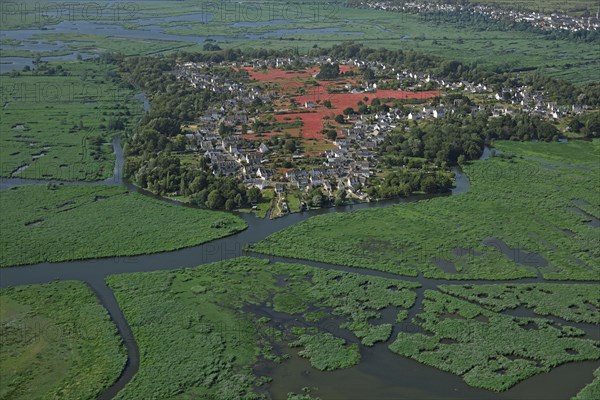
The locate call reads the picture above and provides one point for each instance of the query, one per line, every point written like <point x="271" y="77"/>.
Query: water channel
<point x="380" y="374"/>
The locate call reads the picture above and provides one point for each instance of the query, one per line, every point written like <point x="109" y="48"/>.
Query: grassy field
<point x="293" y="200"/>
<point x="61" y="126"/>
<point x="60" y="223"/>
<point x="57" y="342"/>
<point x="520" y="218"/>
<point x="580" y="153"/>
<point x="97" y="44"/>
<point x="489" y="350"/>
<point x="223" y="311"/>
<point x="318" y="25"/>
<point x="263" y="207"/>
<point x="300" y="25"/>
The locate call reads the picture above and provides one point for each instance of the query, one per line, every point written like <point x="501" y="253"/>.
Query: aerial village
<point x="539" y="19"/>
<point x="329" y="139"/>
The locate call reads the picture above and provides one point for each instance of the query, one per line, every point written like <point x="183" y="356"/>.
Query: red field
<point x="313" y="121"/>
<point x="340" y="101"/>
<point x="313" y="118"/>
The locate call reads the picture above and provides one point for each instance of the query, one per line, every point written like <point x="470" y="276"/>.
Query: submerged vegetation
<point x="577" y="303"/>
<point x="239" y="313"/>
<point x="56" y="341"/>
<point x="243" y="314"/>
<point x="489" y="350"/>
<point x="326" y="352"/>
<point x="60" y="222"/>
<point x="521" y="217"/>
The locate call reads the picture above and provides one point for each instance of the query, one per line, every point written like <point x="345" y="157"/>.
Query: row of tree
<point x="163" y="174"/>
<point x="404" y="182"/>
<point x="459" y="137"/>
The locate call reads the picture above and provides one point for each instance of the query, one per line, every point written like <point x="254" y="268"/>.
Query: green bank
<point x="522" y="217"/>
<point x="60" y="223"/>
<point x="57" y="341"/>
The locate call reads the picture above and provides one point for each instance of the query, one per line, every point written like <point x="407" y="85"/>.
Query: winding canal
<point x="380" y="374"/>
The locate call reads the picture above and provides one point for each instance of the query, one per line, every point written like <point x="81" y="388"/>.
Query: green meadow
<point x="60" y="223"/>
<point x="303" y="26"/>
<point x="521" y="217"/>
<point x="57" y="342"/>
<point x="60" y="126"/>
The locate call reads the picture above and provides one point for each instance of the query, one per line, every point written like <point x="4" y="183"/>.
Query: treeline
<point x="587" y="124"/>
<point x="163" y="174"/>
<point x="232" y="55"/>
<point x="405" y="182"/>
<point x="458" y="138"/>
<point x="478" y="21"/>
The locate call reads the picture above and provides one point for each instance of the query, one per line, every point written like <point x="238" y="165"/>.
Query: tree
<point x="166" y="126"/>
<point x="290" y="146"/>
<point x="592" y="125"/>
<point x="368" y="74"/>
<point x="547" y="130"/>
<point x="329" y="71"/>
<point x="316" y="197"/>
<point x="239" y="200"/>
<point x="317" y="200"/>
<point x="211" y="47"/>
<point x="339" y="119"/>
<point x="331" y="134"/>
<point x="214" y="200"/>
<point x="340" y="197"/>
<point x="230" y="204"/>
<point x="116" y="124"/>
<point x="429" y="184"/>
<point x="254" y="195"/>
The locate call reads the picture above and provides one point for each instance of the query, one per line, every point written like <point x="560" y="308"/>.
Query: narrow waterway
<point x="107" y="298"/>
<point x="380" y="375"/>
